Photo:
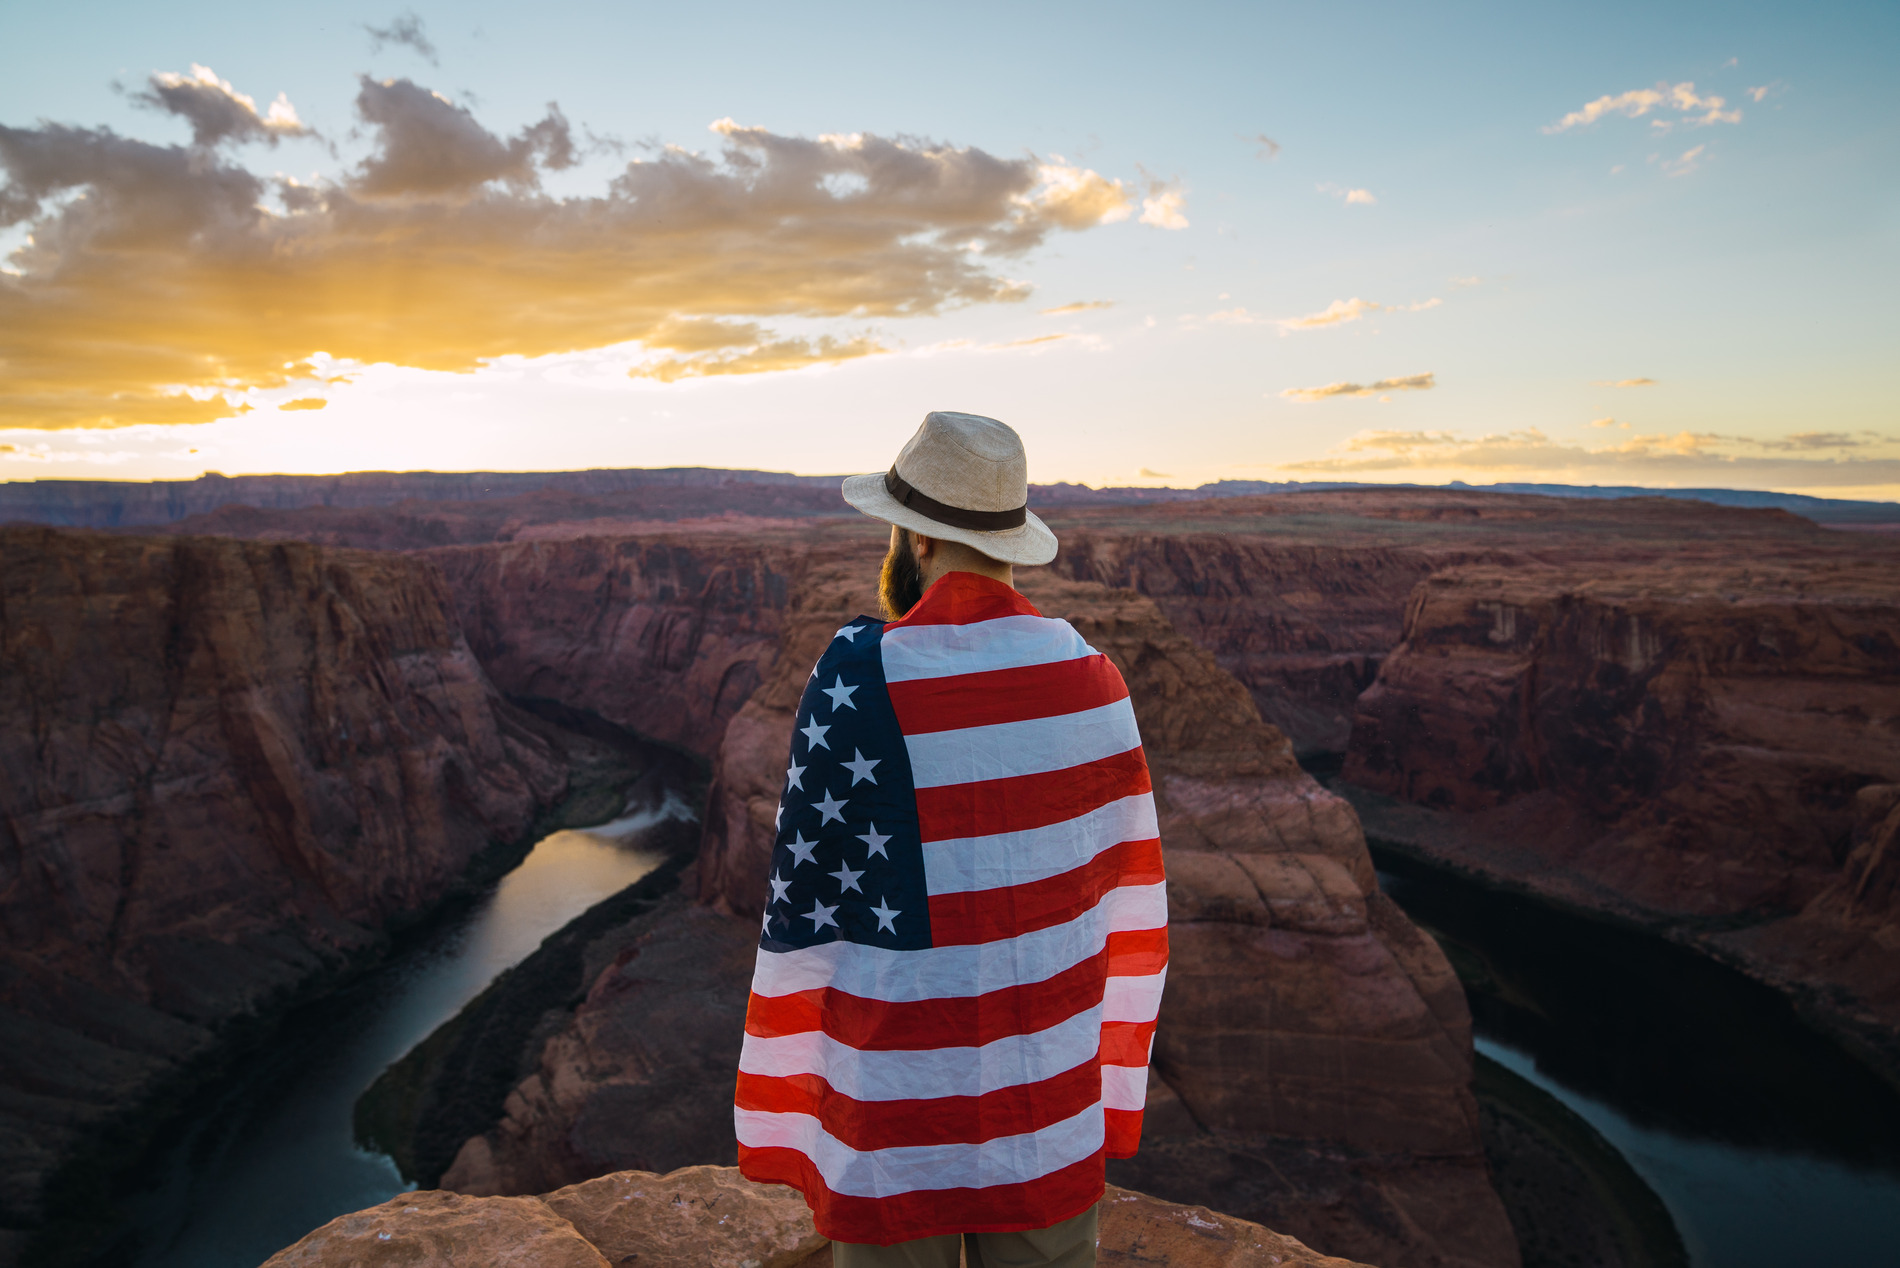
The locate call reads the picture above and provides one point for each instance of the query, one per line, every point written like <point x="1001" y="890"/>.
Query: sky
<point x="1607" y="244"/>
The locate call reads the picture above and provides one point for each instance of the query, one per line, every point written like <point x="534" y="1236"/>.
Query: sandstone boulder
<point x="696" y="1217"/>
<point x="434" y="1229"/>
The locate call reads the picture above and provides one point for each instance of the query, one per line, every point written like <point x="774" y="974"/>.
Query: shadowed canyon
<point x="248" y="746"/>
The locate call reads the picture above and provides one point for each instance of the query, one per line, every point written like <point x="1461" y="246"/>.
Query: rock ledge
<point x="712" y="1217"/>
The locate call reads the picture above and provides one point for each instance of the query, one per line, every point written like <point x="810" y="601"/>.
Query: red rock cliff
<point x="665" y="636"/>
<point x="1701" y="747"/>
<point x="227" y="766"/>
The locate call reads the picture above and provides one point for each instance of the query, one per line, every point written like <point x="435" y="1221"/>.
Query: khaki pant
<point x="1070" y="1244"/>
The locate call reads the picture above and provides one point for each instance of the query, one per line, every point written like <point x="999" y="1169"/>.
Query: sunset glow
<point x="1494" y="247"/>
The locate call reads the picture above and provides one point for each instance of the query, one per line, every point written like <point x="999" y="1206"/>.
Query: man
<point x="966" y="938"/>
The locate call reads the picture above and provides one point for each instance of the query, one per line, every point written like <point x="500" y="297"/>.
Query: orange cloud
<point x="305" y="402"/>
<point x="1409" y="383"/>
<point x="161" y="284"/>
<point x="1080" y="306"/>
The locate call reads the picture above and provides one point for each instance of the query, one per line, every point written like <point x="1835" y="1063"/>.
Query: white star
<point x="831" y="808"/>
<point x="814" y="735"/>
<point x="779" y="817"/>
<point x="794" y="772"/>
<point x="850" y="631"/>
<point x="779" y="886"/>
<point x="846" y="878"/>
<point x="820" y="916"/>
<point x="861" y="769"/>
<point x="840" y="695"/>
<point x="801" y="848"/>
<point x="766" y="927"/>
<point x="875" y="841"/>
<point x="886" y="918"/>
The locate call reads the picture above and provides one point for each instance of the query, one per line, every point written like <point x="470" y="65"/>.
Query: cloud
<point x="305" y="402"/>
<point x="1341" y="311"/>
<point x="1351" y="197"/>
<point x="1641" y="101"/>
<point x="1146" y="474"/>
<point x="216" y="110"/>
<point x="1270" y="148"/>
<point x="405" y="30"/>
<point x="1681" y="458"/>
<point x="1465" y="283"/>
<point x="1683" y="164"/>
<point x="1626" y="383"/>
<point x="1079" y="306"/>
<point x="1163" y="210"/>
<point x="1236" y="317"/>
<point x="1606" y="422"/>
<point x="1409" y="383"/>
<point x="1074" y="197"/>
<point x="165" y="283"/>
<point x="753" y="353"/>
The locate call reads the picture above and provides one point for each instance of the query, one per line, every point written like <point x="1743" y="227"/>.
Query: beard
<point x="900" y="584"/>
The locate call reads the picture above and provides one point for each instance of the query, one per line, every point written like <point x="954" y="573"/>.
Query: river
<point x="1767" y="1143"/>
<point x="273" y="1156"/>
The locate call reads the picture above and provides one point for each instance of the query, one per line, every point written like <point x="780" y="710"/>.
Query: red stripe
<point x="1137" y="952"/>
<point x="1018" y="803"/>
<point x="1003" y="1208"/>
<point x="963" y="598"/>
<point x="1126" y="1042"/>
<point x="1122" y="1136"/>
<point x="991" y="915"/>
<point x="994" y="696"/>
<point x="872" y="1025"/>
<point x="942" y="1120"/>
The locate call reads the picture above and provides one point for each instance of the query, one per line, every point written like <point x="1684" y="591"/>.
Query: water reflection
<point x="1768" y="1143"/>
<point x="273" y="1157"/>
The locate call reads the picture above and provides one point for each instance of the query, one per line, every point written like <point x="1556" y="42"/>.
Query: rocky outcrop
<point x="228" y="768"/>
<point x="1686" y="746"/>
<point x="1306" y="1021"/>
<point x="711" y="1217"/>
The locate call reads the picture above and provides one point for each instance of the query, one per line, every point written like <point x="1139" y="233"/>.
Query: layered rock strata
<point x="665" y="636"/>
<point x="1313" y="1055"/>
<point x="712" y="1217"/>
<point x="1689" y="747"/>
<point x="229" y="767"/>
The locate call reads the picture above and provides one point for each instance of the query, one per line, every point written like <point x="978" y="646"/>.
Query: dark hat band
<point x="954" y="516"/>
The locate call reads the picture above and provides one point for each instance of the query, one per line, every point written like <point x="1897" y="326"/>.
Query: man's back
<point x="962" y="958"/>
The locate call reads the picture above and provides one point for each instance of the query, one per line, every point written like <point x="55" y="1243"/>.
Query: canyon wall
<point x="662" y="635"/>
<point x="226" y="768"/>
<point x="1689" y="746"/>
<point x="1303" y="626"/>
<point x="1306" y="1021"/>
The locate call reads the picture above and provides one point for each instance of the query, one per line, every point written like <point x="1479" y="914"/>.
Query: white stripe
<point x="1124" y="1087"/>
<point x="883" y="1173"/>
<point x="1134" y="998"/>
<point x="1028" y="747"/>
<point x="921" y="1074"/>
<point x="950" y="972"/>
<point x="1008" y="642"/>
<point x="1016" y="858"/>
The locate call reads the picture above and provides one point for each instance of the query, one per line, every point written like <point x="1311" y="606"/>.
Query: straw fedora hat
<point x="962" y="478"/>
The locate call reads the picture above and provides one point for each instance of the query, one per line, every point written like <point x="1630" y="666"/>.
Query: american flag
<point x="963" y="952"/>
